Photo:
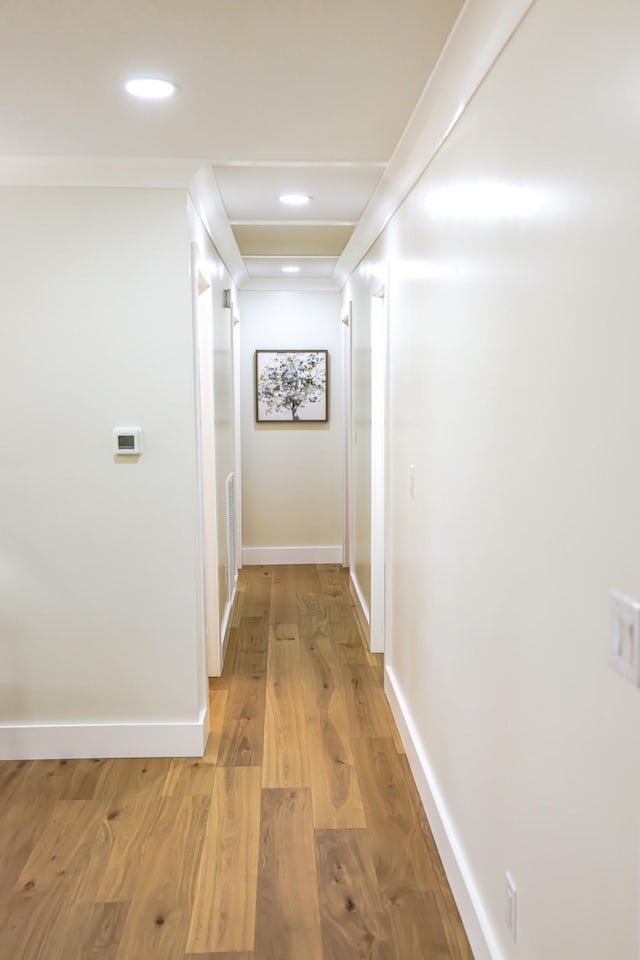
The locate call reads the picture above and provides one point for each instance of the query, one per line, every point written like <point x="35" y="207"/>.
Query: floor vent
<point x="231" y="535"/>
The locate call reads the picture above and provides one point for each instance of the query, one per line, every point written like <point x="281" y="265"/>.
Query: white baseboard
<point x="474" y="916"/>
<point x="224" y="629"/>
<point x="60" y="741"/>
<point x="361" y="600"/>
<point x="268" y="556"/>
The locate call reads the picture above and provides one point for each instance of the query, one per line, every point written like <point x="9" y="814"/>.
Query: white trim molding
<point x="268" y="556"/>
<point x="364" y="606"/>
<point x="71" y="741"/>
<point x="477" y="924"/>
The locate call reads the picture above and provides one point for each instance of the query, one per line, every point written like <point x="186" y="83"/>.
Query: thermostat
<point x="127" y="441"/>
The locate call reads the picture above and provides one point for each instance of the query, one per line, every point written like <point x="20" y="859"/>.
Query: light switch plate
<point x="624" y="636"/>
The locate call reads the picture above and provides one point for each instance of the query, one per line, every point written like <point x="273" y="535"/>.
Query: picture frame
<point x="291" y="386"/>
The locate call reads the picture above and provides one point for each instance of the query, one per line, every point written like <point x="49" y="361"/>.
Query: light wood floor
<point x="299" y="836"/>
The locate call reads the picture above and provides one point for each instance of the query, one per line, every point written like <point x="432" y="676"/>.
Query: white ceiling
<point x="275" y="96"/>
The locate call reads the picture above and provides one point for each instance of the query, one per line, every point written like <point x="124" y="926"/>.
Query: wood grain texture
<point x="335" y="788"/>
<point x="399" y="851"/>
<point x="299" y="834"/>
<point x="256" y="591"/>
<point x="48" y="880"/>
<point x="115" y="858"/>
<point x="158" y="919"/>
<point x="354" y="921"/>
<point x="286" y="752"/>
<point x="223" y="917"/>
<point x="225" y="955"/>
<point x="288" y="915"/>
<point x="218" y="700"/>
<point x="189" y="777"/>
<point x="283" y="664"/>
<point x="369" y="712"/>
<point x="87" y="931"/>
<point x="283" y="608"/>
<point x="241" y="743"/>
<point x="417" y="925"/>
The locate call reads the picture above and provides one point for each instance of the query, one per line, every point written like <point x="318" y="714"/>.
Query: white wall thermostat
<point x="127" y="441"/>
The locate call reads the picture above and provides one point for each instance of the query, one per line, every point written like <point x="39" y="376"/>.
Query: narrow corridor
<point x="299" y="836"/>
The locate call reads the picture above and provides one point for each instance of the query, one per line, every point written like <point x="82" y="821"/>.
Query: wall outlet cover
<point x="624" y="636"/>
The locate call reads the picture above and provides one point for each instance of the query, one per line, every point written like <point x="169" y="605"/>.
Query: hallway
<point x="299" y="834"/>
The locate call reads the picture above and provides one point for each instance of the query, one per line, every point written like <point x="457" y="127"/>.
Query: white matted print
<point x="291" y="385"/>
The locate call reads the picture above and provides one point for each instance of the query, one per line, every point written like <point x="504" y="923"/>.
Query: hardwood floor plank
<point x="218" y="700"/>
<point x="347" y="641"/>
<point x="284" y="607"/>
<point x="223" y="917"/>
<point x="253" y="633"/>
<point x="459" y="946"/>
<point x="451" y="921"/>
<point x="135" y="777"/>
<point x="257" y="595"/>
<point x="116" y="856"/>
<point x="354" y="922"/>
<point x="12" y="776"/>
<point x="330" y="578"/>
<point x="369" y="713"/>
<point x="306" y="578"/>
<point x="334" y="782"/>
<point x="227" y="955"/>
<point x="286" y="752"/>
<point x="28" y="804"/>
<point x="283" y="663"/>
<point x="158" y="919"/>
<point x="189" y="777"/>
<point x="287" y="915"/>
<point x="87" y="931"/>
<point x="417" y="925"/>
<point x="241" y="744"/>
<point x="399" y="850"/>
<point x="83" y="778"/>
<point x="48" y="880"/>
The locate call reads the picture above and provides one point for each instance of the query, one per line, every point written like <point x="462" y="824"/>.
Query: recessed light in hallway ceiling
<point x="150" y="88"/>
<point x="294" y="199"/>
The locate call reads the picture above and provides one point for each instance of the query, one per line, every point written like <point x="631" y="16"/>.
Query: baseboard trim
<point x="224" y="629"/>
<point x="268" y="556"/>
<point x="59" y="741"/>
<point x="474" y="916"/>
<point x="364" y="606"/>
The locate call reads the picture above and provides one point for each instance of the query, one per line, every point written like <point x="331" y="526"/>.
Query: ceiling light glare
<point x="150" y="88"/>
<point x="291" y="269"/>
<point x="294" y="199"/>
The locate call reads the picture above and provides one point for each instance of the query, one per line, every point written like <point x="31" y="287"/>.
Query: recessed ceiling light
<point x="291" y="269"/>
<point x="294" y="199"/>
<point x="150" y="88"/>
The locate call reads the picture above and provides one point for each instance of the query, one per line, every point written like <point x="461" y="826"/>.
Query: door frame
<point x="379" y="607"/>
<point x="207" y="599"/>
<point x="347" y="453"/>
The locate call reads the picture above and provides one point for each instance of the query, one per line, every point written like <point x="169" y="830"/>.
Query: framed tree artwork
<point x="291" y="386"/>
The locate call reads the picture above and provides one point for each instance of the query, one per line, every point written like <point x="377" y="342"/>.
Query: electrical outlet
<point x="511" y="905"/>
<point x="624" y="636"/>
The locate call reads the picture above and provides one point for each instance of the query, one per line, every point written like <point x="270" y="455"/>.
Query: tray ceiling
<point x="274" y="96"/>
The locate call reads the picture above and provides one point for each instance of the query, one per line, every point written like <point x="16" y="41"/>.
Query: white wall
<point x="292" y="473"/>
<point x="97" y="558"/>
<point x="514" y="392"/>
